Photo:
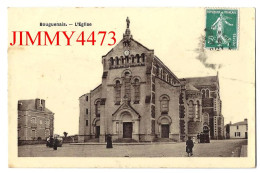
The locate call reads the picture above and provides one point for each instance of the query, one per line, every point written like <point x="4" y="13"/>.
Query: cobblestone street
<point x="220" y="148"/>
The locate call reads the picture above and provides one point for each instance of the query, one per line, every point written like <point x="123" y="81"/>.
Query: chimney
<point x="43" y="104"/>
<point x="37" y="103"/>
<point x="245" y="120"/>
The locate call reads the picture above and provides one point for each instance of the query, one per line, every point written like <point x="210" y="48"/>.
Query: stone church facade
<point x="141" y="99"/>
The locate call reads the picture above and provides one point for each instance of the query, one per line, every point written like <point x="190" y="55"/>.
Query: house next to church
<point x="141" y="99"/>
<point x="35" y="121"/>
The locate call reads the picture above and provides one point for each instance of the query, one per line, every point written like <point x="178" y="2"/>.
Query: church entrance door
<point x="165" y="131"/>
<point x="97" y="131"/>
<point x="127" y="129"/>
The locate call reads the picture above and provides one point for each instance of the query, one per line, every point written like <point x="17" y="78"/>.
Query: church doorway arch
<point x="164" y="122"/>
<point x="165" y="128"/>
<point x="96" y="125"/>
<point x="127" y="125"/>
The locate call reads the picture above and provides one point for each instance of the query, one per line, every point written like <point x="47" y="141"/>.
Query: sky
<point x="61" y="74"/>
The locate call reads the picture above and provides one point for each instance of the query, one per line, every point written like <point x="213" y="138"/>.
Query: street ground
<point x="217" y="148"/>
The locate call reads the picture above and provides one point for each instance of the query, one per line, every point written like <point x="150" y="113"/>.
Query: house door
<point x="165" y="131"/>
<point x="127" y="130"/>
<point x="97" y="131"/>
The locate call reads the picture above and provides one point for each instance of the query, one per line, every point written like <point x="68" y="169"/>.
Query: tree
<point x="65" y="134"/>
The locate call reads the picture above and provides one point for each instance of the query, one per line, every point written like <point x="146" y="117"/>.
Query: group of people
<point x="52" y="142"/>
<point x="203" y="138"/>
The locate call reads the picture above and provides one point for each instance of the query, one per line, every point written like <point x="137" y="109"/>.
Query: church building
<point x="141" y="99"/>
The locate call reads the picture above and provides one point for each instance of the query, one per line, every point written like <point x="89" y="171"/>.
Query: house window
<point x="47" y="122"/>
<point x="87" y="111"/>
<point x="137" y="91"/>
<point x="164" y="104"/>
<point x="237" y="127"/>
<point x="47" y="133"/>
<point x="97" y="109"/>
<point x="127" y="85"/>
<point x="86" y="98"/>
<point x="117" y="92"/>
<point x="86" y="122"/>
<point x="237" y="134"/>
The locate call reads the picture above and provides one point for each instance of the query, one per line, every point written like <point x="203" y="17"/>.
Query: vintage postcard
<point x="131" y="87"/>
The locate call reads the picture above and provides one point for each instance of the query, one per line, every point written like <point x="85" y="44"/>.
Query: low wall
<point x="31" y="142"/>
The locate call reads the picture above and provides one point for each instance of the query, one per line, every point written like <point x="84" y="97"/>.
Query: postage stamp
<point x="221" y="29"/>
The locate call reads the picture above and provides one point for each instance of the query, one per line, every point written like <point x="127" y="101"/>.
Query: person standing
<point x="189" y="146"/>
<point x="55" y="143"/>
<point x="109" y="141"/>
<point x="198" y="138"/>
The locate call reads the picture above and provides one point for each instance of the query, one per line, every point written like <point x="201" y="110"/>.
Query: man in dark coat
<point x="189" y="145"/>
<point x="109" y="141"/>
<point x="51" y="142"/>
<point x="198" y="137"/>
<point x="55" y="143"/>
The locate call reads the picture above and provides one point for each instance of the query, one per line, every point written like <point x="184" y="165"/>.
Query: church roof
<point x="208" y="80"/>
<point x="29" y="105"/>
<point x="190" y="87"/>
<point x="239" y="123"/>
<point x="125" y="105"/>
<point x="158" y="59"/>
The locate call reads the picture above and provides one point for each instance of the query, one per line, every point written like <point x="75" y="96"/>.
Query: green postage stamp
<point x="221" y="29"/>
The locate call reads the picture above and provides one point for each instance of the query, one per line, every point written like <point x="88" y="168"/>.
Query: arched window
<point x="133" y="58"/>
<point x="163" y="75"/>
<point x="127" y="85"/>
<point x="97" y="109"/>
<point x="143" y="57"/>
<point x="198" y="109"/>
<point x="207" y="93"/>
<point x="127" y="59"/>
<point x="137" y="91"/>
<point x="111" y="61"/>
<point x="123" y="60"/>
<point x="33" y="120"/>
<point x="203" y="93"/>
<point x="164" y="104"/>
<point x="138" y="58"/>
<point x="191" y="109"/>
<point x="117" y="61"/>
<point x="167" y="77"/>
<point x="117" y="92"/>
